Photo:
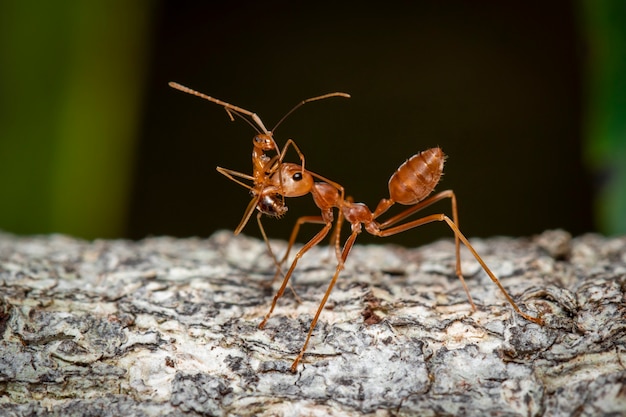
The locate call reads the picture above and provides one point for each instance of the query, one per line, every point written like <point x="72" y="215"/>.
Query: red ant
<point x="410" y="185"/>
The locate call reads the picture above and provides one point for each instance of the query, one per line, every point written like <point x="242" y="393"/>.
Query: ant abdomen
<point x="417" y="177"/>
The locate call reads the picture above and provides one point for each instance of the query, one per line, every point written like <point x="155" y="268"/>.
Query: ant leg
<point x="317" y="220"/>
<point x="336" y="238"/>
<point x="279" y="270"/>
<point x="277" y="264"/>
<point x="457" y="243"/>
<point x="247" y="214"/>
<point x="291" y="143"/>
<point x="314" y="241"/>
<point x="231" y="175"/>
<point x="296" y="229"/>
<point x="346" y="250"/>
<point x="460" y="236"/>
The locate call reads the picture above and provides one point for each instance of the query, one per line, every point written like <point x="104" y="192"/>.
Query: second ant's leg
<point x="277" y="264"/>
<point x="314" y="241"/>
<point x="233" y="175"/>
<point x="457" y="232"/>
<point x="346" y="250"/>
<point x="247" y="214"/>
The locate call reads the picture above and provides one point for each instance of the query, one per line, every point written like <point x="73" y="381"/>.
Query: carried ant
<point x="410" y="185"/>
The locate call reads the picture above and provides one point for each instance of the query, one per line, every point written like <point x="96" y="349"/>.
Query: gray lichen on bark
<point x="170" y="326"/>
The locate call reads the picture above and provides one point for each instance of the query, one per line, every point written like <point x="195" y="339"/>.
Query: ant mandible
<point x="410" y="185"/>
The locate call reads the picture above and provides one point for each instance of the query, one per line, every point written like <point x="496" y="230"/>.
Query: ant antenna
<point x="254" y="119"/>
<point x="230" y="108"/>
<point x="230" y="113"/>
<point x="308" y="100"/>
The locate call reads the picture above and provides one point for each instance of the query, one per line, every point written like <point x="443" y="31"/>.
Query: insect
<point x="410" y="185"/>
<point x="265" y="197"/>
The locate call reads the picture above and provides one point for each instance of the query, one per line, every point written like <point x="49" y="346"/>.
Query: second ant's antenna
<point x="308" y="100"/>
<point x="230" y="108"/>
<point x="255" y="119"/>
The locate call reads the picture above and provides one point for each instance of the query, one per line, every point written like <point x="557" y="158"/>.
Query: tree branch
<point x="170" y="326"/>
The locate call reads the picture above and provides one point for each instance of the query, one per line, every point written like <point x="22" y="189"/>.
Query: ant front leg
<point x="314" y="241"/>
<point x="335" y="242"/>
<point x="291" y="143"/>
<point x="294" y="233"/>
<point x="356" y="229"/>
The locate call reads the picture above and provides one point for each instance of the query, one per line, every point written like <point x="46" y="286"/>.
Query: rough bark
<point x="170" y="326"/>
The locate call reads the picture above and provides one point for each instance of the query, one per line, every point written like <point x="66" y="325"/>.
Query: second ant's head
<point x="264" y="142"/>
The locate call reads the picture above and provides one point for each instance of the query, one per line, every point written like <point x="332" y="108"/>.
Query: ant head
<point x="292" y="180"/>
<point x="272" y="204"/>
<point x="264" y="141"/>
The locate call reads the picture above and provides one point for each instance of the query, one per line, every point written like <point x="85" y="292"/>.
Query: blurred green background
<point x="527" y="100"/>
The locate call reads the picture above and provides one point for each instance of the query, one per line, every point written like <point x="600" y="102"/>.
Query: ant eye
<point x="297" y="176"/>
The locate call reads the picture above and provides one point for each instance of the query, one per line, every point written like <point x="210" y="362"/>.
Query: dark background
<point x="498" y="86"/>
<point x="524" y="98"/>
